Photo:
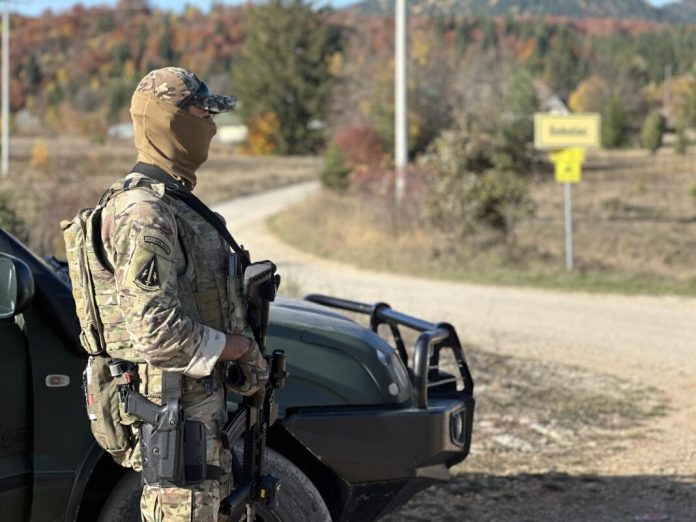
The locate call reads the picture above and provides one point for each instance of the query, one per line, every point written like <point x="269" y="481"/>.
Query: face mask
<point x="170" y="138"/>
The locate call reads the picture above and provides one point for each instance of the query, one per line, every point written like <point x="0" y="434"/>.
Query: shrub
<point x="335" y="172"/>
<point x="614" y="123"/>
<point x="361" y="147"/>
<point x="262" y="129"/>
<point x="467" y="190"/>
<point x="652" y="131"/>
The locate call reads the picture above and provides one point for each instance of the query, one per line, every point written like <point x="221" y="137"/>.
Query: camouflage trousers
<point x="201" y="502"/>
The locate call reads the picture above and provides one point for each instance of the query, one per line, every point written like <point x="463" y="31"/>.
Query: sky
<point x="36" y="7"/>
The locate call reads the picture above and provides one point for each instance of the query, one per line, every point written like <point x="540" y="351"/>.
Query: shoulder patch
<point x="148" y="277"/>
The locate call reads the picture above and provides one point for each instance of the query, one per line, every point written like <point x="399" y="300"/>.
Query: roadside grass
<point x="73" y="173"/>
<point x="330" y="226"/>
<point x="634" y="223"/>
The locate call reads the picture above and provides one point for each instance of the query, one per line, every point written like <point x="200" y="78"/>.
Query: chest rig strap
<point x="179" y="191"/>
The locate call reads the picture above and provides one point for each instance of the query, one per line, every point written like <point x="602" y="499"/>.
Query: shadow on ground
<point x="554" y="497"/>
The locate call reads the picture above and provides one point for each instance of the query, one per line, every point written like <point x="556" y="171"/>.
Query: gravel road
<point x="644" y="339"/>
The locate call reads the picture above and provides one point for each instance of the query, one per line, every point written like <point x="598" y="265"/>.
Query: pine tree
<point x="283" y="71"/>
<point x="515" y="123"/>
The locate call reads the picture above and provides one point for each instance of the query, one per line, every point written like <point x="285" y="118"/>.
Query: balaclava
<point x="165" y="134"/>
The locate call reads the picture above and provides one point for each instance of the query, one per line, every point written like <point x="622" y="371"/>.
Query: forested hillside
<point x="683" y="11"/>
<point x="75" y="70"/>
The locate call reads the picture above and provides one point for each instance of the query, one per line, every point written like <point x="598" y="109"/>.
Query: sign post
<point x="568" y="164"/>
<point x="569" y="135"/>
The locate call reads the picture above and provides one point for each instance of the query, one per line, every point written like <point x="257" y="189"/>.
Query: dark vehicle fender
<point x="334" y="490"/>
<point x="95" y="477"/>
<point x="82" y="476"/>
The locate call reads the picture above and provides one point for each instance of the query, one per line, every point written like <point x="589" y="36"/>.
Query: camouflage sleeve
<point x="143" y="250"/>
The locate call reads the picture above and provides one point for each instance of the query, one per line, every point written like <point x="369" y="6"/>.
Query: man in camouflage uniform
<point x="169" y="307"/>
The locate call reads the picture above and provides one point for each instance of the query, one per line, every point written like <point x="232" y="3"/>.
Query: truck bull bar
<point x="433" y="338"/>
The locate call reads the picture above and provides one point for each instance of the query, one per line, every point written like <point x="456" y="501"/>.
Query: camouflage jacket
<point x="168" y="302"/>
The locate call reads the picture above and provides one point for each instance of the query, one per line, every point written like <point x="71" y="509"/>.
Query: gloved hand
<point x="254" y="370"/>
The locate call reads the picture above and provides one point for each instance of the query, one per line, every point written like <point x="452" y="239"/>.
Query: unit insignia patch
<point x="148" y="278"/>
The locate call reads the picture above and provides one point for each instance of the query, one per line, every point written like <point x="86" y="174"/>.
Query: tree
<point x="589" y="95"/>
<point x="515" y="123"/>
<point x="614" y="123"/>
<point x="467" y="192"/>
<point x="32" y="71"/>
<point x="283" y="69"/>
<point x="562" y="67"/>
<point x="652" y="130"/>
<point x="165" y="49"/>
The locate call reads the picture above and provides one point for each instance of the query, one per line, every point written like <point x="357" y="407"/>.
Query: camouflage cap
<point x="181" y="88"/>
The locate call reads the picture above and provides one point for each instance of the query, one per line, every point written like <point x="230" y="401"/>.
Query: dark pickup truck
<point x="364" y="423"/>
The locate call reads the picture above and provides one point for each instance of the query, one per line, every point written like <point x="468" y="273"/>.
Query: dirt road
<point x="648" y="340"/>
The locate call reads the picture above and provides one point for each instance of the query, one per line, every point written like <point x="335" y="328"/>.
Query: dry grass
<point x="71" y="173"/>
<point x="633" y="213"/>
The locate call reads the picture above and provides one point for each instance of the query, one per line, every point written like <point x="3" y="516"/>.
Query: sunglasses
<point x="203" y="99"/>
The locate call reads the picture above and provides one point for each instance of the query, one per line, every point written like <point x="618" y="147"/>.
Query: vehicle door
<point x="16" y="417"/>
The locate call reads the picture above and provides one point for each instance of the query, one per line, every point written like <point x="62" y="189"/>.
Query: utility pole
<point x="5" y="88"/>
<point x="400" y="98"/>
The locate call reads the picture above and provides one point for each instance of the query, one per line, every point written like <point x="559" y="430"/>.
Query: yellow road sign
<point x="558" y="131"/>
<point x="572" y="155"/>
<point x="568" y="172"/>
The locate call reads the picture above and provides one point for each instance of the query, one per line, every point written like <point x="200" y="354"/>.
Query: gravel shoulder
<point x="636" y="349"/>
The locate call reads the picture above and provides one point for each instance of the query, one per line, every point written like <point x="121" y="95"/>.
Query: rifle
<point x="259" y="411"/>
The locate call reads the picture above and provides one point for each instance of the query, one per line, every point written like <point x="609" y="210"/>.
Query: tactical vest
<point x="202" y="273"/>
<point x="204" y="290"/>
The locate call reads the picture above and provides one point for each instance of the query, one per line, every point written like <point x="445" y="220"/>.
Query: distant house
<point x="548" y="100"/>
<point x="26" y="122"/>
<point x="231" y="129"/>
<point x="120" y="131"/>
<point x="554" y="105"/>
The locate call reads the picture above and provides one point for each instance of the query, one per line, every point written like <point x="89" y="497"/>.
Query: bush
<point x="361" y="147"/>
<point x="497" y="199"/>
<point x="335" y="173"/>
<point x="614" y="123"/>
<point x="467" y="191"/>
<point x="652" y="131"/>
<point x="260" y="140"/>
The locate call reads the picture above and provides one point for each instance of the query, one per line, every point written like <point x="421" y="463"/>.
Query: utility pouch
<point x="235" y="282"/>
<point x="102" y="401"/>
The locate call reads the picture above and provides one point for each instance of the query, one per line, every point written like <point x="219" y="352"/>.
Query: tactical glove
<point x="254" y="371"/>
